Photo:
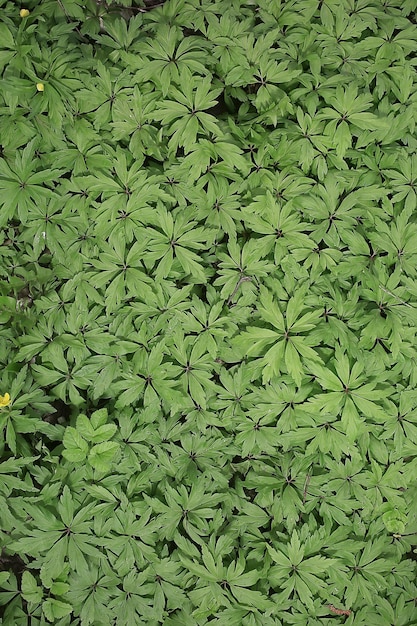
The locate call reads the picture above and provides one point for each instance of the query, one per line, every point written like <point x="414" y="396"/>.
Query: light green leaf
<point x="31" y="591"/>
<point x="55" y="609"/>
<point x="102" y="455"/>
<point x="84" y="427"/>
<point x="76" y="448"/>
<point x="104" y="433"/>
<point x="99" y="418"/>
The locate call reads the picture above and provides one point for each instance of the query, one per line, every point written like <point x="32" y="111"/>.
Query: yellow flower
<point x="40" y="86"/>
<point x="5" y="400"/>
<point x="24" y="12"/>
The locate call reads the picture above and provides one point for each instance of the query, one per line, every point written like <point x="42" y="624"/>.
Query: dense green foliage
<point x="208" y="306"/>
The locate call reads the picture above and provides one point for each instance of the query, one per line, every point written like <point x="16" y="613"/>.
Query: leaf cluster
<point x="208" y="313"/>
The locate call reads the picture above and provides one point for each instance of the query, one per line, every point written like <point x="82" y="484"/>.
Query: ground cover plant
<point x="208" y="307"/>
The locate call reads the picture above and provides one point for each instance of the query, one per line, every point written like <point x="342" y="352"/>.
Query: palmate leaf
<point x="289" y="348"/>
<point x="185" y="116"/>
<point x="292" y="571"/>
<point x="256" y="436"/>
<point x="119" y="35"/>
<point x="210" y="267"/>
<point x="175" y="245"/>
<point x="98" y="98"/>
<point x="24" y="187"/>
<point x="132" y="119"/>
<point x="163" y="57"/>
<point x="349" y="395"/>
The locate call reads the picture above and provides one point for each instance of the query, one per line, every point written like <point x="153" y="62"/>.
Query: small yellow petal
<point x="40" y="86"/>
<point x="24" y="12"/>
<point x="5" y="400"/>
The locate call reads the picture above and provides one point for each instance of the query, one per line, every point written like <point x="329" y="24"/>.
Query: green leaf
<point x="31" y="591"/>
<point x="101" y="455"/>
<point x="7" y="38"/>
<point x="66" y="506"/>
<point x="59" y="588"/>
<point x="99" y="418"/>
<point x="395" y="522"/>
<point x="76" y="448"/>
<point x="84" y="427"/>
<point x="55" y="609"/>
<point x="293" y="363"/>
<point x="342" y="139"/>
<point x="103" y="433"/>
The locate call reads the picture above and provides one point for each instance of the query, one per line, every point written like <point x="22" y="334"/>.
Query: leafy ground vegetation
<point x="208" y="307"/>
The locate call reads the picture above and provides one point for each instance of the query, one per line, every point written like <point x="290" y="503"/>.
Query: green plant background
<point x="208" y="309"/>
